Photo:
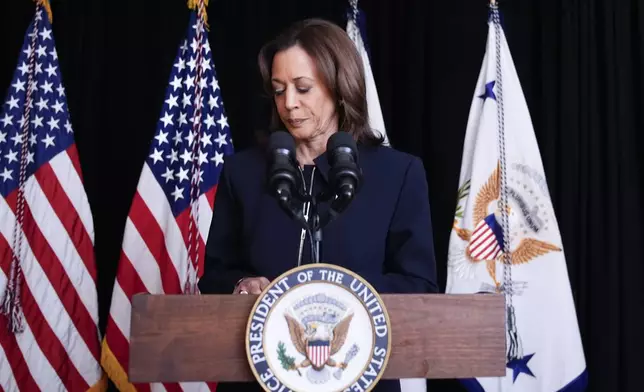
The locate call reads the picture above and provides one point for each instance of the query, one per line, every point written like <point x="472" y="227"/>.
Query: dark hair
<point x="340" y="66"/>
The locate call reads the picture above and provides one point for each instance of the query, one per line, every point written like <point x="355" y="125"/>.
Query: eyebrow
<point x="296" y="79"/>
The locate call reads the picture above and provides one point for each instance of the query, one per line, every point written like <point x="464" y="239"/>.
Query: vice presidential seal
<point x="318" y="327"/>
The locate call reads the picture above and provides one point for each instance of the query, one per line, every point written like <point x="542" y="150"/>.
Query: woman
<point x="316" y="78"/>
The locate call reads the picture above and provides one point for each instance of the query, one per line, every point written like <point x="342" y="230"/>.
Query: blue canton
<point x="170" y="157"/>
<point x="50" y="131"/>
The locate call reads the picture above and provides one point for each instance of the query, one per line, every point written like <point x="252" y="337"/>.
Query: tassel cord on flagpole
<point x="513" y="349"/>
<point x="193" y="226"/>
<point x="354" y="17"/>
<point x="11" y="305"/>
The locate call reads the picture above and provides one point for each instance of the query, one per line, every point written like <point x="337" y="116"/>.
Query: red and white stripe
<point x="484" y="245"/>
<point x="318" y="354"/>
<point x="59" y="349"/>
<point x="153" y="260"/>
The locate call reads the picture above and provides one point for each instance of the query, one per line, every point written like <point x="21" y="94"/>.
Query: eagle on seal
<point x="527" y="249"/>
<point x="318" y="343"/>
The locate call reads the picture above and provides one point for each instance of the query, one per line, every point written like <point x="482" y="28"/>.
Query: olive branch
<point x="288" y="363"/>
<point x="463" y="192"/>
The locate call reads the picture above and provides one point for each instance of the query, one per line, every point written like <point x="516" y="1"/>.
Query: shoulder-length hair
<point x="340" y="66"/>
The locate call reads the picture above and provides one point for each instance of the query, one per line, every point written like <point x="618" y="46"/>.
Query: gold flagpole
<point x="47" y="6"/>
<point x="194" y="5"/>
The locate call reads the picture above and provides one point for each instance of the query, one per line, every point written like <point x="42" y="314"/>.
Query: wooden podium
<point x="176" y="338"/>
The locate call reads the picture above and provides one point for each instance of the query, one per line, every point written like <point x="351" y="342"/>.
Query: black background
<point x="580" y="63"/>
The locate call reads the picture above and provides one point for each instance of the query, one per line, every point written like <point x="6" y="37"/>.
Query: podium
<point x="177" y="338"/>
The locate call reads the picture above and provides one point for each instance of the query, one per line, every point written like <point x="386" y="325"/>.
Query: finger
<point x="263" y="283"/>
<point x="254" y="286"/>
<point x="243" y="288"/>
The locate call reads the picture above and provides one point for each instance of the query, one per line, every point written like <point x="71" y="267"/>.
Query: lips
<point x="296" y="122"/>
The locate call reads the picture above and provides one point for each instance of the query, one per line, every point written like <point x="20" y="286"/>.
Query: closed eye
<point x="301" y="90"/>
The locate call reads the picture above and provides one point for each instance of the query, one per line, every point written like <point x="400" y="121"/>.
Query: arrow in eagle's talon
<point x="515" y="288"/>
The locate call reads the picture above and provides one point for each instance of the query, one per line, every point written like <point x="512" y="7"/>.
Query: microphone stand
<point x="312" y="227"/>
<point x="315" y="232"/>
<point x="293" y="212"/>
<point x="338" y="205"/>
<point x="315" y="222"/>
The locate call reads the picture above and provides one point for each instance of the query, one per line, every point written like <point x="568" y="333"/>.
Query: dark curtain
<point x="580" y="63"/>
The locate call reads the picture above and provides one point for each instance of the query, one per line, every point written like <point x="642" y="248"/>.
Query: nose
<point x="290" y="99"/>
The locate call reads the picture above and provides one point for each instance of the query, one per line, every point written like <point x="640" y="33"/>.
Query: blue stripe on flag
<point x="577" y="385"/>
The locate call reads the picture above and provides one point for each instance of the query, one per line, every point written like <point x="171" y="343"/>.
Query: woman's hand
<point x="251" y="285"/>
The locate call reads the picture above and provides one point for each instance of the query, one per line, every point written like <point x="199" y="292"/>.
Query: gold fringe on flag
<point x="45" y="3"/>
<point x="194" y="4"/>
<point x="100" y="386"/>
<point x="114" y="370"/>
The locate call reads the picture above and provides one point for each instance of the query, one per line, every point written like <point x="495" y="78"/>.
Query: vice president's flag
<point x="167" y="227"/>
<point x="357" y="32"/>
<point x="49" y="339"/>
<point x="501" y="166"/>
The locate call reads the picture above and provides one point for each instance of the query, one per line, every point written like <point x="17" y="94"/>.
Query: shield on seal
<point x="318" y="352"/>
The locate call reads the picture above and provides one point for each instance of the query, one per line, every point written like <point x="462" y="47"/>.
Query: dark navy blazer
<point x="385" y="234"/>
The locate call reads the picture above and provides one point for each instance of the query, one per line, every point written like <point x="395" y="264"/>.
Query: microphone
<point x="345" y="176"/>
<point x="282" y="177"/>
<point x="282" y="173"/>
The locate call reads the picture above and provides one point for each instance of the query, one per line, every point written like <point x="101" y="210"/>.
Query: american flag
<point x="166" y="229"/>
<point x="49" y="337"/>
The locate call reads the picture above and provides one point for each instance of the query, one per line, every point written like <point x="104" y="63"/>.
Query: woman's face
<point x="303" y="102"/>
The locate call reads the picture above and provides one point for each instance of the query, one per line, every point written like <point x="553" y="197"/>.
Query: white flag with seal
<point x="376" y="121"/>
<point x="501" y="166"/>
<point x="377" y="124"/>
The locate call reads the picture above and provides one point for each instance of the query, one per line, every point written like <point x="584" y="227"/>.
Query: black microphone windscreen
<point x="341" y="139"/>
<point x="281" y="140"/>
